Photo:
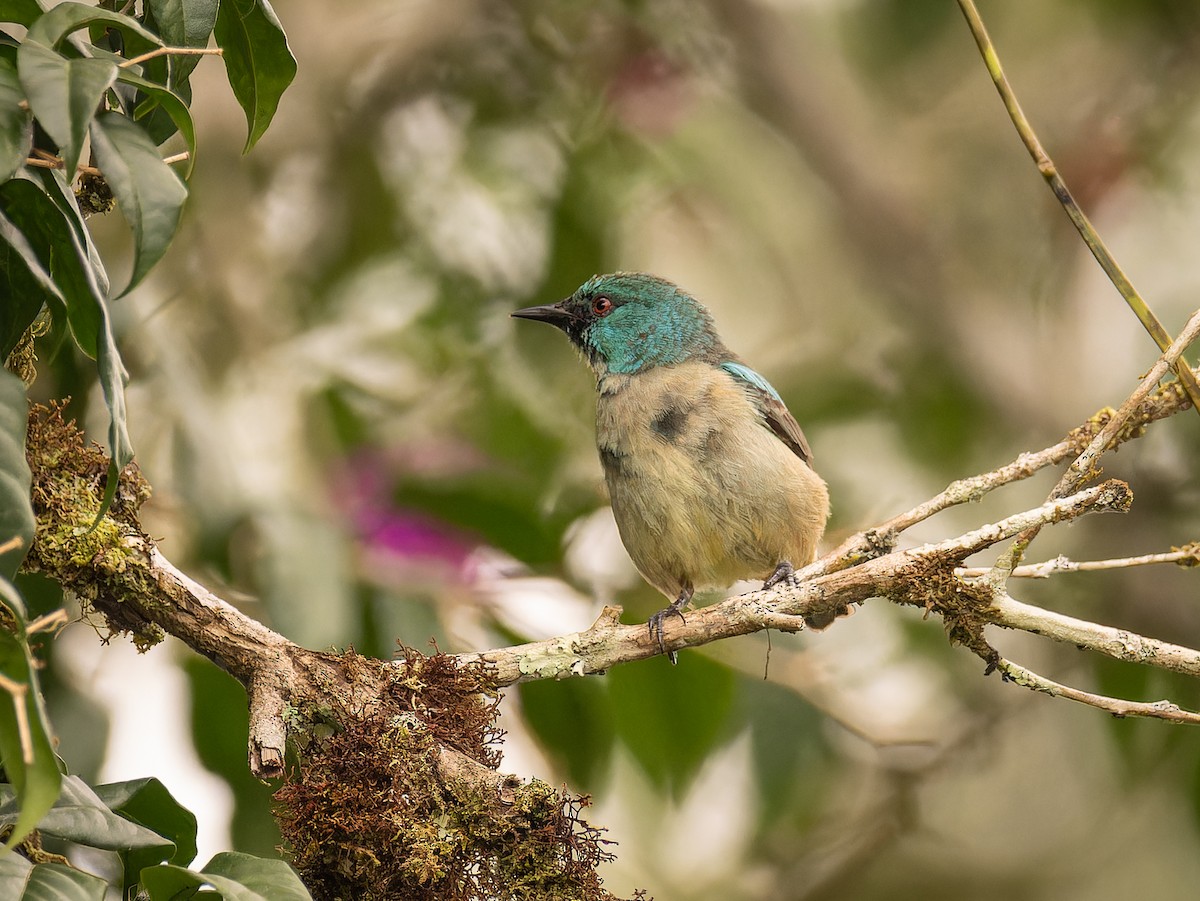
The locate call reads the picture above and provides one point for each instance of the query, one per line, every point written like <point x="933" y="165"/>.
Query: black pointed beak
<point x="553" y="313"/>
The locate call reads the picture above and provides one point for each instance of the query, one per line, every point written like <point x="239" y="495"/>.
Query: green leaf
<point x="26" y="750"/>
<point x="24" y="280"/>
<point x="258" y="61"/>
<point x="112" y="381"/>
<point x="80" y="816"/>
<point x="22" y="11"/>
<point x="671" y="717"/>
<point x="234" y="876"/>
<point x="63" y="94"/>
<point x="15" y="123"/>
<point x="59" y="242"/>
<point x="574" y="720"/>
<point x="184" y="23"/>
<point x="16" y="512"/>
<point x="21" y="880"/>
<point x="147" y="802"/>
<point x="158" y="97"/>
<point x="58" y="189"/>
<point x="64" y="18"/>
<point x="148" y="191"/>
<point x="58" y="249"/>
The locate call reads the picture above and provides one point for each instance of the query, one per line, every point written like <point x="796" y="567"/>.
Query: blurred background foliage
<point x="348" y="435"/>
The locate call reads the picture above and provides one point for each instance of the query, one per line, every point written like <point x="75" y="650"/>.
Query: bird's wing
<point x="770" y="405"/>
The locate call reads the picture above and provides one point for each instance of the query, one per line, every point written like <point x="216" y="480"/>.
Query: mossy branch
<point x="423" y="727"/>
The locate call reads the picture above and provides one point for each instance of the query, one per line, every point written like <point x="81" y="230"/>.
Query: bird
<point x="710" y="477"/>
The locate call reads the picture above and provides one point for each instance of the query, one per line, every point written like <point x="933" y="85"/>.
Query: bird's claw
<point x="655" y="624"/>
<point x="784" y="572"/>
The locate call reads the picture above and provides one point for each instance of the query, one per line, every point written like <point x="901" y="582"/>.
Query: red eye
<point x="602" y="306"/>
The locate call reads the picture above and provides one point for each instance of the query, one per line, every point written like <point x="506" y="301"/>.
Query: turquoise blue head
<point x="627" y="322"/>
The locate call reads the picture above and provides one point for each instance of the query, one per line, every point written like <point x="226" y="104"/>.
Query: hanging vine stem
<point x="1082" y="224"/>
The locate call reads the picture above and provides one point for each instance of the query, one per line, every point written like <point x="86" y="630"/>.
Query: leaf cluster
<point x="152" y="836"/>
<point x="112" y="87"/>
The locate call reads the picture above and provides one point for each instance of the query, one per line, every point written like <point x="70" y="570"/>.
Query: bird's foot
<point x="655" y="623"/>
<point x="784" y="572"/>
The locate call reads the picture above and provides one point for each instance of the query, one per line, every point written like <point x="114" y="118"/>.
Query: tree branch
<point x="1162" y="710"/>
<point x="1188" y="555"/>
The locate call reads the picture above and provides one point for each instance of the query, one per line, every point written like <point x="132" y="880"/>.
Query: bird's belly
<point x="702" y="491"/>
<point x="679" y="530"/>
<point x="708" y="513"/>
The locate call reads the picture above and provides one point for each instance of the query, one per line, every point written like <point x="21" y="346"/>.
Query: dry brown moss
<point x="368" y="814"/>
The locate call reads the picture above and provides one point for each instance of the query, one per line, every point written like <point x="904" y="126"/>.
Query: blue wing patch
<point x="771" y="407"/>
<point x="750" y="377"/>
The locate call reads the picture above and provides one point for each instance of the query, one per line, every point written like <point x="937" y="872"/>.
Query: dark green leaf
<point x="148" y="191"/>
<point x="64" y="18"/>
<point x="22" y="11"/>
<point x="24" y="292"/>
<point x="112" y="381"/>
<point x="59" y="190"/>
<point x="148" y="803"/>
<point x="257" y="59"/>
<point x="158" y="97"/>
<point x="788" y="745"/>
<point x="15" y="123"/>
<point x="184" y="23"/>
<point x="574" y="720"/>
<point x="73" y="283"/>
<point x="24" y="280"/>
<point x="671" y="717"/>
<point x="80" y="816"/>
<point x="26" y="749"/>
<point x="58" y="248"/>
<point x="16" y="513"/>
<point x="235" y="877"/>
<point x="21" y="880"/>
<point x="63" y="94"/>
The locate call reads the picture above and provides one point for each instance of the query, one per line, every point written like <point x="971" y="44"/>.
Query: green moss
<point x="93" y="559"/>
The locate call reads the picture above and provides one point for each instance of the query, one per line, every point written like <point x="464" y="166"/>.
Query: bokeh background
<point x="348" y="436"/>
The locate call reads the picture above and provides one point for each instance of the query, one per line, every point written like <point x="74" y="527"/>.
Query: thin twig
<point x="1084" y="466"/>
<point x="48" y="622"/>
<point x="1162" y="710"/>
<point x="171" y="51"/>
<point x="609" y="642"/>
<point x="1188" y="555"/>
<point x="56" y="163"/>
<point x="11" y="544"/>
<point x="881" y="539"/>
<point x="17" y="691"/>
<point x="48" y="161"/>
<point x="1085" y="228"/>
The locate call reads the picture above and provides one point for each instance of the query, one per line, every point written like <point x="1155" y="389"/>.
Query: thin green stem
<point x="1084" y="226"/>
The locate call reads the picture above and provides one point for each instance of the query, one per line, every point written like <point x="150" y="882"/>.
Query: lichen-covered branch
<point x="916" y="576"/>
<point x="430" y="718"/>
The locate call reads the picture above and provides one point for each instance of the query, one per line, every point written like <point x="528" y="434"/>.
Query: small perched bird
<point x="710" y="477"/>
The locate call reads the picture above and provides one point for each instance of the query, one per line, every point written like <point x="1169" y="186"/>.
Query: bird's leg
<point x="784" y="572"/>
<point x="675" y="609"/>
